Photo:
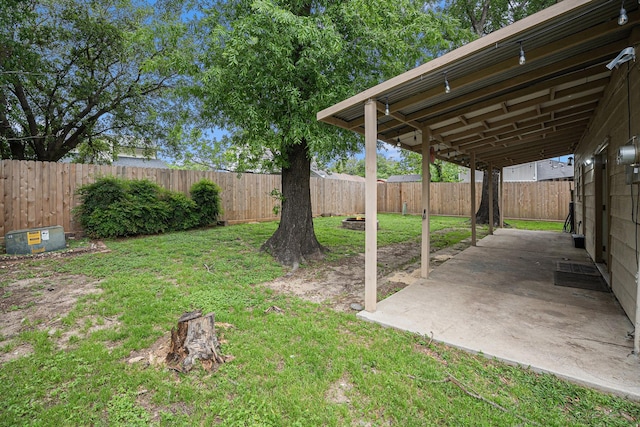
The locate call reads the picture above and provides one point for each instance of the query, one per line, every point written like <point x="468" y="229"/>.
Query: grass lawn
<point x="525" y="224"/>
<point x="304" y="366"/>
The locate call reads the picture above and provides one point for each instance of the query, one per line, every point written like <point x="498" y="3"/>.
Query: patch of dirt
<point x="96" y="324"/>
<point x="94" y="246"/>
<point x="340" y="285"/>
<point x="145" y="400"/>
<point x="154" y="355"/>
<point x="16" y="353"/>
<point x="41" y="303"/>
<point x="425" y="349"/>
<point x="44" y="299"/>
<point x="337" y="392"/>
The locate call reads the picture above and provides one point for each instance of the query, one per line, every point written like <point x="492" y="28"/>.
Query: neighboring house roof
<point x="405" y="178"/>
<point x="554" y="170"/>
<point x="345" y="177"/>
<point x="139" y="162"/>
<point x="336" y="175"/>
<point x="544" y="170"/>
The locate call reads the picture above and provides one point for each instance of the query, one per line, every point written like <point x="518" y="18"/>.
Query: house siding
<point x="611" y="121"/>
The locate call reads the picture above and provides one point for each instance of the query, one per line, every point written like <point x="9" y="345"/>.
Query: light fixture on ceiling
<point x="447" y="88"/>
<point x="588" y="161"/>
<point x="570" y="162"/>
<point x="386" y="107"/>
<point x="398" y="140"/>
<point x="623" y="18"/>
<point x="415" y="138"/>
<point x="626" y="54"/>
<point x="522" y="59"/>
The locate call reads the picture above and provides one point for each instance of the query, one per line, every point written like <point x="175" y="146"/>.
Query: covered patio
<point x="530" y="91"/>
<point x="499" y="298"/>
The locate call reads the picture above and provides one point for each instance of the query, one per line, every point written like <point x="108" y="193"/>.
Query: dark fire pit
<point x="357" y="223"/>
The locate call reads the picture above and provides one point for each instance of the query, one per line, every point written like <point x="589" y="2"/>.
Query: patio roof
<point x="504" y="112"/>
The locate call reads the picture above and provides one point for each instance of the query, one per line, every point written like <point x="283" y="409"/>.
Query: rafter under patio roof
<point x="504" y="112"/>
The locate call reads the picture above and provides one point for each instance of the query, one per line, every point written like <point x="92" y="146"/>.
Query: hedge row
<point x="115" y="207"/>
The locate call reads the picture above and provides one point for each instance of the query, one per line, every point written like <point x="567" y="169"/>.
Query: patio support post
<point x="491" y="184"/>
<point x="426" y="194"/>
<point x="472" y="176"/>
<point x="371" y="207"/>
<point x="501" y="199"/>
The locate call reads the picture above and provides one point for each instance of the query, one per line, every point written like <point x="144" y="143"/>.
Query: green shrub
<point x="206" y="194"/>
<point x="113" y="207"/>
<point x="184" y="211"/>
<point x="104" y="192"/>
<point x="112" y="221"/>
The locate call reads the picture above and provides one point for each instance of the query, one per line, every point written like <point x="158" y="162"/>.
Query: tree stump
<point x="194" y="338"/>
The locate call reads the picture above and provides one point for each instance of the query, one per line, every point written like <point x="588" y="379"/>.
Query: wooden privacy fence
<point x="547" y="200"/>
<point x="38" y="194"/>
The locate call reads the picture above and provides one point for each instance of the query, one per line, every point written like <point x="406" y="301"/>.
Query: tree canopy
<point x="486" y="16"/>
<point x="410" y="163"/>
<point x="271" y="65"/>
<point x="76" y="72"/>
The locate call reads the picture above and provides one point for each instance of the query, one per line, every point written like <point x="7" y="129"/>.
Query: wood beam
<point x="371" y="208"/>
<point x="425" y="252"/>
<point x="472" y="177"/>
<point x="490" y="172"/>
<point x="583" y="60"/>
<point x="528" y="107"/>
<point x="438" y="64"/>
<point x="477" y="99"/>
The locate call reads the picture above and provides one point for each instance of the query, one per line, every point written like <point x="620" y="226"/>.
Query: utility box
<point x="35" y="240"/>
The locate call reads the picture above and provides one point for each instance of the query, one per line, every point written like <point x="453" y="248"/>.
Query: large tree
<point x="76" y="73"/>
<point x="484" y="17"/>
<point x="271" y="65"/>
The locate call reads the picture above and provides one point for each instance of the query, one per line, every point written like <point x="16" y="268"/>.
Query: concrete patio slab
<point x="499" y="298"/>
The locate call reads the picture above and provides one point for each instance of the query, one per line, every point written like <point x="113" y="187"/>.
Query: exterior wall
<point x="611" y="123"/>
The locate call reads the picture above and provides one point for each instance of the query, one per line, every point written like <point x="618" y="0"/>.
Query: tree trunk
<point x="482" y="216"/>
<point x="195" y="338"/>
<point x="295" y="240"/>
